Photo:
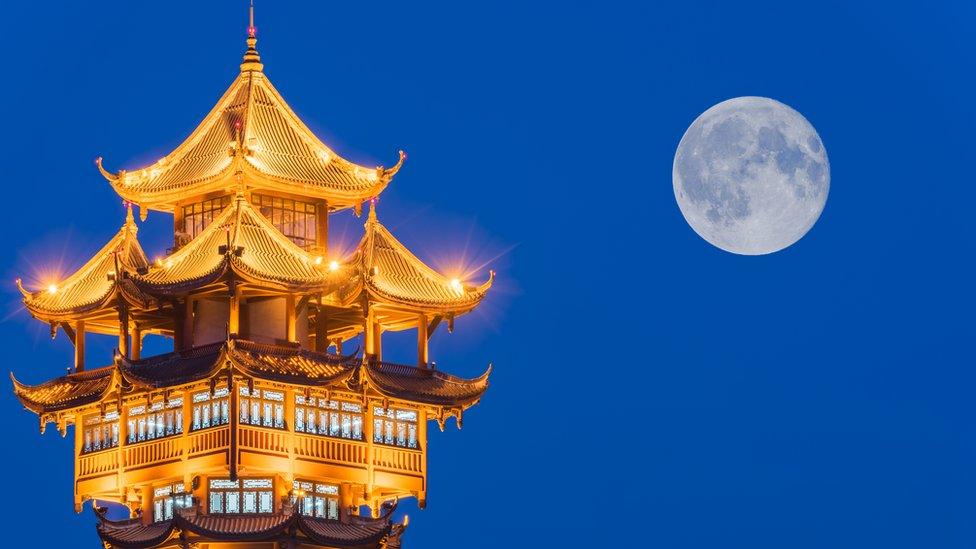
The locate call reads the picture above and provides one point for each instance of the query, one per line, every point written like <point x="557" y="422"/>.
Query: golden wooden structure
<point x="256" y="431"/>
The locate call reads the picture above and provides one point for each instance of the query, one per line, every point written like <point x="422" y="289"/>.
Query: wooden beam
<point x="322" y="228"/>
<point x="234" y="322"/>
<point x="136" y="351"/>
<point x="321" y="328"/>
<point x="432" y="327"/>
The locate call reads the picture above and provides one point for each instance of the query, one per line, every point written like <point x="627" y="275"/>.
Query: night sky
<point x="648" y="387"/>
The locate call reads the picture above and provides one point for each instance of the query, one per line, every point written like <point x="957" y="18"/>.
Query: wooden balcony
<point x="261" y="450"/>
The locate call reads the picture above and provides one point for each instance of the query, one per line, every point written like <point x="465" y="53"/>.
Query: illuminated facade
<point x="257" y="430"/>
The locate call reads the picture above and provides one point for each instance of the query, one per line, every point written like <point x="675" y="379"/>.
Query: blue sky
<point x="648" y="387"/>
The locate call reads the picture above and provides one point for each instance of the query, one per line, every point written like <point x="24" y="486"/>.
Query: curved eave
<point x="245" y="357"/>
<point x="105" y="302"/>
<point x="426" y="386"/>
<point x="234" y="527"/>
<point x="162" y="289"/>
<point x="337" y="534"/>
<point x="193" y="365"/>
<point x="101" y="381"/>
<point x="337" y="199"/>
<point x="132" y="534"/>
<point x="464" y="304"/>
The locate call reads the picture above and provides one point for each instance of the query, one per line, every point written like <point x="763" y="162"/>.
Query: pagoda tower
<point x="258" y="430"/>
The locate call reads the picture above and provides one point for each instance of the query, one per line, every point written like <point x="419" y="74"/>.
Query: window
<point x="101" y="432"/>
<point x="210" y="410"/>
<point x="293" y="218"/>
<point x="263" y="407"/>
<point x="156" y="421"/>
<point x="167" y="498"/>
<point x="333" y="418"/>
<point x="395" y="426"/>
<point x="197" y="216"/>
<point x="249" y="495"/>
<point x="315" y="499"/>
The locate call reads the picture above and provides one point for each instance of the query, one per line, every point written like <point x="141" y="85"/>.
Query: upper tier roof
<point x="251" y="132"/>
<point x="240" y="241"/>
<point x="91" y="288"/>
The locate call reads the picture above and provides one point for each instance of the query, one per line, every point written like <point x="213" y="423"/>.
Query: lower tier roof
<point x="287" y="364"/>
<point x="356" y="533"/>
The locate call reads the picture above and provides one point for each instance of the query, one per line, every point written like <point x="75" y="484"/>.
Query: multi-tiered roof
<point x="251" y="143"/>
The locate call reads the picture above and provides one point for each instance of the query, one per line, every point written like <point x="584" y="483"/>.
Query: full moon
<point x="751" y="176"/>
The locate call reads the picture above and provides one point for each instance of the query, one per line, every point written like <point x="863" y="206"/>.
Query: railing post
<point x="290" y="437"/>
<point x="79" y="442"/>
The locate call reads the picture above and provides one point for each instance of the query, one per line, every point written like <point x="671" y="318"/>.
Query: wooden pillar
<point x="123" y="442"/>
<point x="378" y="340"/>
<point x="79" y="443"/>
<point x="146" y="493"/>
<point x="136" y="351"/>
<point x="234" y="322"/>
<point x="369" y="332"/>
<point x="80" y="346"/>
<point x="338" y="344"/>
<point x="179" y="325"/>
<point x="322" y="227"/>
<point x="422" y="444"/>
<point x="188" y="323"/>
<point x="290" y="318"/>
<point x="291" y="436"/>
<point x="422" y="357"/>
<point x="123" y="330"/>
<point x="235" y="414"/>
<point x="321" y="328"/>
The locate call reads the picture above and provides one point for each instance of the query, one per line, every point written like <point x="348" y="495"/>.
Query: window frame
<point x="270" y="411"/>
<point x="306" y="495"/>
<point x="138" y="419"/>
<point x="384" y="423"/>
<point x="335" y="410"/>
<point x="240" y="490"/>
<point x="203" y="212"/>
<point x="287" y="215"/>
<point x="165" y="504"/>
<point x="105" y="427"/>
<point x="205" y="403"/>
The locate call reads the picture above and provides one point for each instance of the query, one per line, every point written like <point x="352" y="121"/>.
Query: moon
<point x="751" y="175"/>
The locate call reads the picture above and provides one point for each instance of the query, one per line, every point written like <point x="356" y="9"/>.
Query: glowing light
<point x="169" y="263"/>
<point x="159" y="262"/>
<point x="326" y="157"/>
<point x="333" y="265"/>
<point x="318" y="260"/>
<point x="456" y="285"/>
<point x="52" y="288"/>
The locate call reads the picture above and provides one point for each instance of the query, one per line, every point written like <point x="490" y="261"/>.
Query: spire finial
<point x="252" y="61"/>
<point x="372" y="209"/>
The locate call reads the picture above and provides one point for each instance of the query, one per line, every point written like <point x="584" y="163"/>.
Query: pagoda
<point x="259" y="429"/>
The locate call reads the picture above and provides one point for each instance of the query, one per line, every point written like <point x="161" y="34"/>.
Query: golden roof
<point x="242" y="242"/>
<point x="392" y="275"/>
<point x="92" y="287"/>
<point x="253" y="133"/>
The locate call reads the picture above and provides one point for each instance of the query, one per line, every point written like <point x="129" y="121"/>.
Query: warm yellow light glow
<point x="325" y="157"/>
<point x="333" y="265"/>
<point x="169" y="263"/>
<point x="318" y="260"/>
<point x="52" y="288"/>
<point x="456" y="285"/>
<point x="159" y="262"/>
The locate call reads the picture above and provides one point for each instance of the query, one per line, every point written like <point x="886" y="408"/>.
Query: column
<point x="322" y="228"/>
<point x="235" y="419"/>
<point x="290" y="318"/>
<point x="188" y="324"/>
<point x="147" y="504"/>
<point x="378" y="340"/>
<point x="80" y="346"/>
<point x="79" y="442"/>
<point x="234" y="322"/>
<point x="369" y="332"/>
<point x="321" y="328"/>
<point x="422" y="357"/>
<point x="136" y="351"/>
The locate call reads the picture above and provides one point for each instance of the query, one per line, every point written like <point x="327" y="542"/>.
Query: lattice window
<point x="263" y="407"/>
<point x="333" y="418"/>
<point x="295" y="219"/>
<point x="100" y="432"/>
<point x="395" y="427"/>
<point x="170" y="497"/>
<point x="197" y="216"/>
<point x="316" y="499"/>
<point x="249" y="495"/>
<point x="155" y="421"/>
<point x="211" y="410"/>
